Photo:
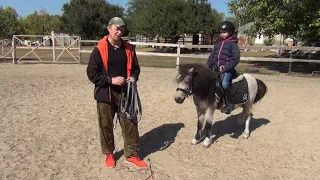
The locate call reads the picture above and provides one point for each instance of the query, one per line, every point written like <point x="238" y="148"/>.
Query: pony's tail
<point x="262" y="90"/>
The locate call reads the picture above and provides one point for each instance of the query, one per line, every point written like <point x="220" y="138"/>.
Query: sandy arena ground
<point x="49" y="130"/>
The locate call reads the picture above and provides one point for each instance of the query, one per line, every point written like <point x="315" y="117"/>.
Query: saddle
<point x="238" y="93"/>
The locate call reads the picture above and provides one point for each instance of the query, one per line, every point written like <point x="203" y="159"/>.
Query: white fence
<point x="76" y="42"/>
<point x="5" y="48"/>
<point x="54" y="43"/>
<point x="178" y="55"/>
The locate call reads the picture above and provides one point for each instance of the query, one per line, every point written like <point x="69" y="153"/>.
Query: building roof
<point x="244" y="28"/>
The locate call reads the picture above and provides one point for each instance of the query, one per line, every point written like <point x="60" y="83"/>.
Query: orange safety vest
<point x="103" y="49"/>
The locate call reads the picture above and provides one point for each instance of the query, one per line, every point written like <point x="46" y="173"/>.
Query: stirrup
<point x="227" y="109"/>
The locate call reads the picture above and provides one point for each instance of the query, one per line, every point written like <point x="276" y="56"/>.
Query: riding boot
<point x="227" y="106"/>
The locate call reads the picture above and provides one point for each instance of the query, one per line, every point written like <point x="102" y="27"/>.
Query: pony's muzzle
<point x="179" y="97"/>
<point x="179" y="100"/>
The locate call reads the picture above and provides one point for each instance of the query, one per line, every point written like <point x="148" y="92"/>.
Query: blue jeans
<point x="227" y="78"/>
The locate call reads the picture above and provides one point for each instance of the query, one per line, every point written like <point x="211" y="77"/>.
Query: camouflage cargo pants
<point x="130" y="134"/>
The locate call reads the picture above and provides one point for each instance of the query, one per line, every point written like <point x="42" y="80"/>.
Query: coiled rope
<point x="130" y="103"/>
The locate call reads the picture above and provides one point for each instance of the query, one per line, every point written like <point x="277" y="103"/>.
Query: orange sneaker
<point x="137" y="161"/>
<point x="110" y="162"/>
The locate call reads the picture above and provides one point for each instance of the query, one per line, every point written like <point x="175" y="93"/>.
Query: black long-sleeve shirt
<point x="117" y="66"/>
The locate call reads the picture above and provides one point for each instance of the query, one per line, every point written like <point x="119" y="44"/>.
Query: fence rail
<point x="46" y="47"/>
<point x="177" y="55"/>
<point x="211" y="46"/>
<point x="5" y="48"/>
<point x="55" y="43"/>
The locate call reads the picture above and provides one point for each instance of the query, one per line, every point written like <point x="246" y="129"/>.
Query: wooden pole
<point x="290" y="64"/>
<point x="13" y="50"/>
<point x="178" y="57"/>
<point x="2" y="48"/>
<point x="53" y="46"/>
<point x="80" y="49"/>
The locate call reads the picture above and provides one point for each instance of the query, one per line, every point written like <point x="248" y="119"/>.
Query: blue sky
<point x="24" y="7"/>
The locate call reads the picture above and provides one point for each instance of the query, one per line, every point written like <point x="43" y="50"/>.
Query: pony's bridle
<point x="187" y="92"/>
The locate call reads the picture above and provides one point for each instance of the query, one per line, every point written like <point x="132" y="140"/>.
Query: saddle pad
<point x="238" y="93"/>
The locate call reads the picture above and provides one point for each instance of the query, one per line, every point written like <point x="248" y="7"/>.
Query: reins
<point x="130" y="103"/>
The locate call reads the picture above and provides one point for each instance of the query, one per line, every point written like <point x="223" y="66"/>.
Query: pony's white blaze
<point x="179" y="96"/>
<point x="178" y="76"/>
<point x="183" y="85"/>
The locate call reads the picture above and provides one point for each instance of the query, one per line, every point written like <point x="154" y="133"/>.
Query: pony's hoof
<point x="206" y="143"/>
<point x="194" y="141"/>
<point x="245" y="135"/>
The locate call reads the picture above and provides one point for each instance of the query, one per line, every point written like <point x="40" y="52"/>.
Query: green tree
<point x="170" y="22"/>
<point x="295" y="18"/>
<point x="218" y="18"/>
<point x="8" y="22"/>
<point x="54" y="23"/>
<point x="143" y="17"/>
<point x="39" y="23"/>
<point x="236" y="21"/>
<point x="199" y="17"/>
<point x="172" y="18"/>
<point x="88" y="18"/>
<point x="32" y="23"/>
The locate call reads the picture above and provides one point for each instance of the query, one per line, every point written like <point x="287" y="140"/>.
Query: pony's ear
<point x="190" y="71"/>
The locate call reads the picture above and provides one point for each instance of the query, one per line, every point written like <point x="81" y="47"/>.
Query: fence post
<point x="290" y="63"/>
<point x="178" y="55"/>
<point x="80" y="49"/>
<point x="1" y="48"/>
<point x="53" y="46"/>
<point x="13" y="50"/>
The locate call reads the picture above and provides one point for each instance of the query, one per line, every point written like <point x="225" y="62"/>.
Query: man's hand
<point x="118" y="81"/>
<point x="131" y="79"/>
<point x="221" y="68"/>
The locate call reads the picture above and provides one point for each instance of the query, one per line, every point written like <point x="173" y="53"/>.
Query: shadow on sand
<point x="230" y="126"/>
<point x="158" y="139"/>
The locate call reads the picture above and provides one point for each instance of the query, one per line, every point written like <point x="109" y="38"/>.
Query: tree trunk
<point x="175" y="39"/>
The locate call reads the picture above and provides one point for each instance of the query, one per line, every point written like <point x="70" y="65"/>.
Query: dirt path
<point x="49" y="130"/>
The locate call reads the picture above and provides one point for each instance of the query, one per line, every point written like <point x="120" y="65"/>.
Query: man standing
<point x="112" y="63"/>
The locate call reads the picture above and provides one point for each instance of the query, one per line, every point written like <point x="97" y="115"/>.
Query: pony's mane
<point x="204" y="79"/>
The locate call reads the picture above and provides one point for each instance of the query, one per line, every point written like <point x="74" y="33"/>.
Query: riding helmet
<point x="227" y="25"/>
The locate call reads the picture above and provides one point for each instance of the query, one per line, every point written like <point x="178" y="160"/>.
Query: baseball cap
<point x="116" y="21"/>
